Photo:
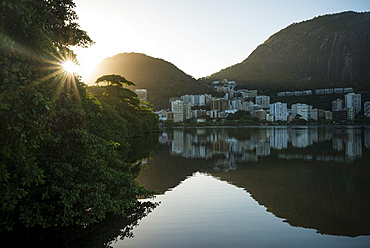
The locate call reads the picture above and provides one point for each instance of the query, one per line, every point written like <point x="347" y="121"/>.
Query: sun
<point x="70" y="67"/>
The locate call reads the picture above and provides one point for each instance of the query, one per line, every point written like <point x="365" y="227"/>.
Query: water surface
<point x="258" y="187"/>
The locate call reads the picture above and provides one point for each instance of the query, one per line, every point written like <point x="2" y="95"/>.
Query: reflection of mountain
<point x="304" y="185"/>
<point x="331" y="200"/>
<point x="164" y="172"/>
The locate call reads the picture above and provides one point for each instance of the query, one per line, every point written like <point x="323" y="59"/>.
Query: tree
<point x="35" y="36"/>
<point x="125" y="104"/>
<point x="242" y="117"/>
<point x="362" y="119"/>
<point x="114" y="80"/>
<point x="55" y="168"/>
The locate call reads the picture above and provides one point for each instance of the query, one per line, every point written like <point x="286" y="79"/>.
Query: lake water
<point x="257" y="187"/>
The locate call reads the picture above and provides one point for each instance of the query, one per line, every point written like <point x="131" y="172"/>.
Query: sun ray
<point x="62" y="74"/>
<point x="57" y="70"/>
<point x="70" y="67"/>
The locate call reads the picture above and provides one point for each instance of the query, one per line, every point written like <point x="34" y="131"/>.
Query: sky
<point x="200" y="37"/>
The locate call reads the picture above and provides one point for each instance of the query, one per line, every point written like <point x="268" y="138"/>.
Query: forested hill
<point x="330" y="50"/>
<point x="161" y="78"/>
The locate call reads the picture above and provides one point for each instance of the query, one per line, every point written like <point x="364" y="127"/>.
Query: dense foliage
<point x="241" y="118"/>
<point x="121" y="115"/>
<point x="63" y="152"/>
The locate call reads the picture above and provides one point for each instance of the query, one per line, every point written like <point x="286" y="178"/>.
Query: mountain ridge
<point x="331" y="48"/>
<point x="161" y="78"/>
<point x="324" y="52"/>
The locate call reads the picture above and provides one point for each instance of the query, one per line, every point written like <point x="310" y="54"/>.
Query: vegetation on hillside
<point x="63" y="151"/>
<point x="327" y="51"/>
<point x="162" y="79"/>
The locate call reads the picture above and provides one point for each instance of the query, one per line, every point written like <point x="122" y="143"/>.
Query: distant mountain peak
<point x="334" y="49"/>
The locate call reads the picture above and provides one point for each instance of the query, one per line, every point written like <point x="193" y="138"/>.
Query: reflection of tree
<point x="102" y="234"/>
<point x="142" y="147"/>
<point x="306" y="186"/>
<point x="165" y="171"/>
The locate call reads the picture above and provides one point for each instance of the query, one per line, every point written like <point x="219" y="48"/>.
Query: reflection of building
<point x="338" y="140"/>
<point x="302" y="138"/>
<point x="353" y="143"/>
<point x="226" y="164"/>
<point x="219" y="146"/>
<point x="338" y="144"/>
<point x="263" y="149"/>
<point x="279" y="139"/>
<point x="367" y="137"/>
<point x="229" y="150"/>
<point x="177" y="145"/>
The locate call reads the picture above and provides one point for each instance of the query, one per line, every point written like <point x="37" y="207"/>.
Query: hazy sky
<point x="200" y="37"/>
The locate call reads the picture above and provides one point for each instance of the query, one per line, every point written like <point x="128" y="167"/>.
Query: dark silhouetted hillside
<point x="161" y="78"/>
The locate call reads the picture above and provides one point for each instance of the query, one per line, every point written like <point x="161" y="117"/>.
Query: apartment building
<point x="353" y="101"/>
<point x="279" y="110"/>
<point x="263" y="101"/>
<point x="302" y="110"/>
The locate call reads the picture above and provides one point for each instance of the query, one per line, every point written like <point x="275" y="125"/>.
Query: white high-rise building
<point x="187" y="111"/>
<point x="202" y="100"/>
<point x="236" y="104"/>
<point x="263" y="101"/>
<point x="279" y="111"/>
<point x="353" y="101"/>
<point x="177" y="107"/>
<point x="246" y="105"/>
<point x="195" y="100"/>
<point x="302" y="110"/>
<point x="188" y="99"/>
